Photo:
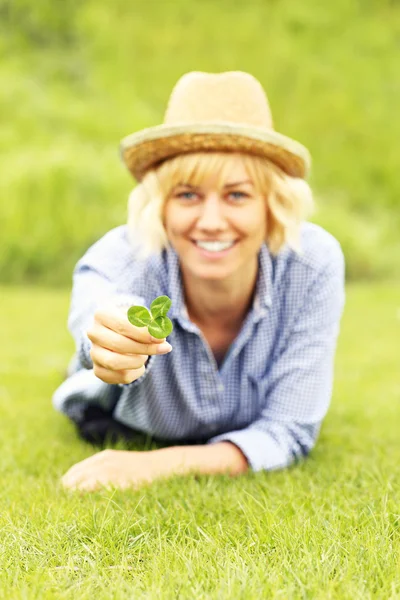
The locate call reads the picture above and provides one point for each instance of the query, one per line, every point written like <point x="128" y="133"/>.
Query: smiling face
<point x="217" y="225"/>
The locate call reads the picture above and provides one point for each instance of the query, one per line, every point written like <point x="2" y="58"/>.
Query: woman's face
<point x="217" y="228"/>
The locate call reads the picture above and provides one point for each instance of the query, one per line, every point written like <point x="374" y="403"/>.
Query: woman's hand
<point x="123" y="469"/>
<point x="119" y="349"/>
<point x="116" y="468"/>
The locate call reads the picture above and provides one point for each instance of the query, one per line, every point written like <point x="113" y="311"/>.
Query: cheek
<point x="260" y="219"/>
<point x="169" y="219"/>
<point x="176" y="222"/>
<point x="254" y="224"/>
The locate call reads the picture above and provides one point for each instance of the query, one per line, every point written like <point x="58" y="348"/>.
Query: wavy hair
<point x="289" y="200"/>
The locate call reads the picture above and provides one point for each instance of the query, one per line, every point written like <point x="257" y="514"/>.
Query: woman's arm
<point x="300" y="380"/>
<point x="212" y="459"/>
<point x="97" y="281"/>
<point x="124" y="469"/>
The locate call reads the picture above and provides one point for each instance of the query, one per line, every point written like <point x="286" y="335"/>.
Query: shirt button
<point x="220" y="387"/>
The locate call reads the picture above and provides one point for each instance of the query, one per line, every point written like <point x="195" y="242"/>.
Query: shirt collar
<point x="262" y="296"/>
<point x="175" y="286"/>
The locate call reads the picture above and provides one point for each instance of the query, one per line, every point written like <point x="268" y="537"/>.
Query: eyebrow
<point x="239" y="183"/>
<point x="226" y="186"/>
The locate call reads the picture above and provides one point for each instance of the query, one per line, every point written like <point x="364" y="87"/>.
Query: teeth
<point x="215" y="246"/>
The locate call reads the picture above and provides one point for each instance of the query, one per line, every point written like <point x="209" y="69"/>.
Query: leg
<point x="89" y="403"/>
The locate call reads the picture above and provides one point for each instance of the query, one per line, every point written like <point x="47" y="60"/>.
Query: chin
<point x="211" y="273"/>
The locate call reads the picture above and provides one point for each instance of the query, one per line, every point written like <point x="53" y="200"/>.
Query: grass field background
<point x="328" y="528"/>
<point x="77" y="76"/>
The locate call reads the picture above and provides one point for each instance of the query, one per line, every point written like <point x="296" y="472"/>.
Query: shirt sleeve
<point x="95" y="284"/>
<point x="300" y="380"/>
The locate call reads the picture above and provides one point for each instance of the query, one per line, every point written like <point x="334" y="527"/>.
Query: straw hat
<point x="226" y="112"/>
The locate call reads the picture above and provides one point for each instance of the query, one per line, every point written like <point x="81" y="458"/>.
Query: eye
<point x="186" y="195"/>
<point x="238" y="195"/>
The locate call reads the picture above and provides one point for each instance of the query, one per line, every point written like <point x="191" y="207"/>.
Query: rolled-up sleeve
<point x="91" y="290"/>
<point x="96" y="280"/>
<point x="300" y="380"/>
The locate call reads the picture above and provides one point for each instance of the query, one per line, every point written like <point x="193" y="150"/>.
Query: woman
<point x="217" y="223"/>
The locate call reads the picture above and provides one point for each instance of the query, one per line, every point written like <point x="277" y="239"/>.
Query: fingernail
<point x="164" y="347"/>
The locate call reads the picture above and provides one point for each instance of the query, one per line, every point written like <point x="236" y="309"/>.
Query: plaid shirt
<point x="274" y="386"/>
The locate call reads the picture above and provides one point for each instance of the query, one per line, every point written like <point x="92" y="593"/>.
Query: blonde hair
<point x="288" y="200"/>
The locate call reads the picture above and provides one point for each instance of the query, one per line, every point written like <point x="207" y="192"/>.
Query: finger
<point x="87" y="469"/>
<point x="116" y="377"/>
<point x="83" y="477"/>
<point x="72" y="479"/>
<point x="113" y="361"/>
<point x="96" y="483"/>
<point x="107" y="338"/>
<point x="88" y="483"/>
<point x="116" y="319"/>
<point x="91" y="485"/>
<point x="87" y="465"/>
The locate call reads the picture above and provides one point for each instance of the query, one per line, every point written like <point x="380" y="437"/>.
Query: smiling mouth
<point x="214" y="246"/>
<point x="213" y="250"/>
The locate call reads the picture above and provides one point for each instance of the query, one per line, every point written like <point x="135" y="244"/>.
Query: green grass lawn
<point x="328" y="528"/>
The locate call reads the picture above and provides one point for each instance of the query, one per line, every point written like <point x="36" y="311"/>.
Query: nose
<point x="211" y="216"/>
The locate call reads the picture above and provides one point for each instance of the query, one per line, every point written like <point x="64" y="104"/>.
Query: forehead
<point x="215" y="169"/>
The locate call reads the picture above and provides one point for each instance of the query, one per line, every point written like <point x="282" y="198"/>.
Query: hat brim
<point x="147" y="148"/>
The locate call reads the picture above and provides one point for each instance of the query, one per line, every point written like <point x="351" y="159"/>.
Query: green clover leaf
<point x="160" y="306"/>
<point x="139" y="316"/>
<point x="157" y="322"/>
<point x="160" y="327"/>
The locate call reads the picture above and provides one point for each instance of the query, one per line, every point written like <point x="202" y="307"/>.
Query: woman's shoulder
<point x="109" y="254"/>
<point x="114" y="256"/>
<point x="321" y="256"/>
<point x="114" y="240"/>
<point x="320" y="262"/>
<point x="319" y="249"/>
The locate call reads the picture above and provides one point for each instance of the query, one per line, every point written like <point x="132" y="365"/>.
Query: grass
<point x="78" y="76"/>
<point x="328" y="528"/>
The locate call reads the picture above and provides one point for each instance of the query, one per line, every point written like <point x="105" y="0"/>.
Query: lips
<point x="214" y="245"/>
<point x="213" y="253"/>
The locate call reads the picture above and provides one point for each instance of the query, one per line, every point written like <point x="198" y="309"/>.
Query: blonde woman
<point x="217" y="222"/>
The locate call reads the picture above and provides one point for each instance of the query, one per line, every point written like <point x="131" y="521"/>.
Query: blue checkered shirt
<point x="273" y="388"/>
